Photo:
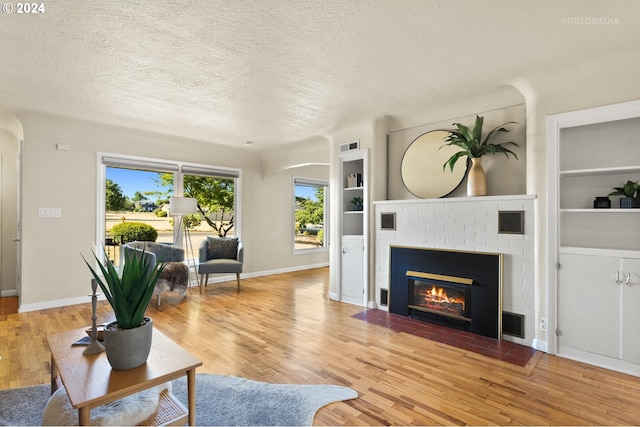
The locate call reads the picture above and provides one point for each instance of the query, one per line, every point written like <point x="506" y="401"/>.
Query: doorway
<point x="10" y="154"/>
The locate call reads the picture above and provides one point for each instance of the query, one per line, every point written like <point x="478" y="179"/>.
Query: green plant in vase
<point x="357" y="203"/>
<point x="474" y="146"/>
<point x="129" y="293"/>
<point x="630" y="193"/>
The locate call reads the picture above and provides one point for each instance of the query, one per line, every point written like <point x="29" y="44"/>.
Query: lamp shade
<point x="183" y="205"/>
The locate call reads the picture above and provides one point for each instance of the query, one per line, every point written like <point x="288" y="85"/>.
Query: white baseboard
<point x="56" y="303"/>
<point x="9" y="293"/>
<point x="539" y="345"/>
<point x="212" y="279"/>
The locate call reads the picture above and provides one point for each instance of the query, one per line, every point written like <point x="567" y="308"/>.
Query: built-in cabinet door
<point x="352" y="280"/>
<point x="589" y="304"/>
<point x="630" y="278"/>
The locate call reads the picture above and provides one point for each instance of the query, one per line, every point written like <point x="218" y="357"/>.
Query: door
<point x="352" y="270"/>
<point x="630" y="310"/>
<point x="589" y="301"/>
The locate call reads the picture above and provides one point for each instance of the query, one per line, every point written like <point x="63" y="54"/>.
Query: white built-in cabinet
<point x="353" y="227"/>
<point x="594" y="254"/>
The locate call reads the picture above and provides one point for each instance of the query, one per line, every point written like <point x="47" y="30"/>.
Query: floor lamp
<point x="181" y="206"/>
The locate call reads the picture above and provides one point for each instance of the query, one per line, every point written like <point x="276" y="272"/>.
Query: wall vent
<point x="513" y="324"/>
<point x="354" y="145"/>
<point x="384" y="297"/>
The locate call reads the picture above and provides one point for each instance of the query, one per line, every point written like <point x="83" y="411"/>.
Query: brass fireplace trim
<point x="441" y="277"/>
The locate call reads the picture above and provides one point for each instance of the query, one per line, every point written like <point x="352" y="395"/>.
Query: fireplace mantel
<point x="464" y="224"/>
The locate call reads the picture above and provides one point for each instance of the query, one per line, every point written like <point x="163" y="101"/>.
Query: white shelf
<point x="602" y="211"/>
<point x="599" y="251"/>
<point x="600" y="171"/>
<point x="353" y="188"/>
<point x="353" y="212"/>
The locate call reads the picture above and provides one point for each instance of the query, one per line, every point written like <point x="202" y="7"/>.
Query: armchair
<point x="175" y="276"/>
<point x="220" y="255"/>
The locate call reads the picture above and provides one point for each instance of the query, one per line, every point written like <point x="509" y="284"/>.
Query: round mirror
<point x="421" y="167"/>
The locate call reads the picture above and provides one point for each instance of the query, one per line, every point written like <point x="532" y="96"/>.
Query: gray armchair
<point x="220" y="255"/>
<point x="175" y="276"/>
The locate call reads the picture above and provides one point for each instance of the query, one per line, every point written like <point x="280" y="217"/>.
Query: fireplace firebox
<point x="440" y="299"/>
<point x="457" y="289"/>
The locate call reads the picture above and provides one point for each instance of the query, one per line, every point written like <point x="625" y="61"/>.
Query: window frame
<point x="312" y="182"/>
<point x="178" y="168"/>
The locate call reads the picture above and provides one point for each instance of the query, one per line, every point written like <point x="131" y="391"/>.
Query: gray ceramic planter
<point x="630" y="202"/>
<point x="128" y="348"/>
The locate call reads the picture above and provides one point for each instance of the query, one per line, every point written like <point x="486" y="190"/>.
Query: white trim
<point x="539" y="345"/>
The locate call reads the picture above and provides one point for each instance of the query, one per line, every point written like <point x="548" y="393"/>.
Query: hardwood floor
<point x="284" y="329"/>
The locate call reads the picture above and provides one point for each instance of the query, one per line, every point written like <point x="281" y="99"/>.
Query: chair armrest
<point x="202" y="250"/>
<point x="240" y="256"/>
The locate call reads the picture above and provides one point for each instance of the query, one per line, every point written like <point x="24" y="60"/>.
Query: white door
<point x="589" y="302"/>
<point x="352" y="274"/>
<point x="630" y="310"/>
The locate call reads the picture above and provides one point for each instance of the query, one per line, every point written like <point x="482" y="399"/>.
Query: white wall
<point x="53" y="269"/>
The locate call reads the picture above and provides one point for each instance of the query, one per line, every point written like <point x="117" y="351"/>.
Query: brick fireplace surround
<point x="465" y="224"/>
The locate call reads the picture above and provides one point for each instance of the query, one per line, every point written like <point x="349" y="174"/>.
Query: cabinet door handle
<point x="628" y="280"/>
<point x="617" y="277"/>
<point x="344" y="250"/>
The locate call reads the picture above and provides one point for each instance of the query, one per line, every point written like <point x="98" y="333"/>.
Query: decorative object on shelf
<point x="127" y="341"/>
<point x="354" y="180"/>
<point x="473" y="146"/>
<point x="95" y="346"/>
<point x="631" y="194"/>
<point x="420" y="167"/>
<point x="357" y="203"/>
<point x="602" y="202"/>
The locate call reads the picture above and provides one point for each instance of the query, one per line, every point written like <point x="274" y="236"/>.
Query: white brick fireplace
<point x="465" y="224"/>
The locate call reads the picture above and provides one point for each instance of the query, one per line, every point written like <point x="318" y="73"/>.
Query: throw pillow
<point x="222" y="247"/>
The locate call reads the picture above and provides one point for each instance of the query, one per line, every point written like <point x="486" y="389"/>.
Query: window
<point x="138" y="190"/>
<point x="309" y="215"/>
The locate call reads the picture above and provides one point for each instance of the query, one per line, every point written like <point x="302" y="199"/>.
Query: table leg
<point x="191" y="395"/>
<point x="54" y="375"/>
<point x="84" y="416"/>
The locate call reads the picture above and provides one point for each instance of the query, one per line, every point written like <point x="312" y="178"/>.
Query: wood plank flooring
<point x="284" y="329"/>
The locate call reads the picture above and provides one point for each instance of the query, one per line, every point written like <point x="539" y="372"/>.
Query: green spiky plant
<point x="629" y="189"/>
<point x="473" y="145"/>
<point x="128" y="293"/>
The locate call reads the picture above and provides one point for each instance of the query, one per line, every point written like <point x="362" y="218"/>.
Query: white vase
<point x="476" y="180"/>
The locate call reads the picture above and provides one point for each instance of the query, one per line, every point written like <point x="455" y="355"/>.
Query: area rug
<point x="220" y="400"/>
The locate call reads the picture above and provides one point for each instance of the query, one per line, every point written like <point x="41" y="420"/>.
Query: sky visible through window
<point x="131" y="181"/>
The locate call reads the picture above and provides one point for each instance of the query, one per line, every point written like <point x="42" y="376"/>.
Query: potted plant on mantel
<point x="474" y="147"/>
<point x="631" y="194"/>
<point x="127" y="341"/>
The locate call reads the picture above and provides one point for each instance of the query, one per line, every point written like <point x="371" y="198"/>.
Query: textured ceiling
<point x="277" y="72"/>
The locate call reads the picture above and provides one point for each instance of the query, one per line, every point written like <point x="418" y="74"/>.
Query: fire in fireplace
<point x="439" y="298"/>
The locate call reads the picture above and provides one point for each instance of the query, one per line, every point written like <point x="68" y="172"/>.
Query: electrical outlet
<point x="543" y="324"/>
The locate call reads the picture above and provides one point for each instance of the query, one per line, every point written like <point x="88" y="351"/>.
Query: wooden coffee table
<point x="90" y="381"/>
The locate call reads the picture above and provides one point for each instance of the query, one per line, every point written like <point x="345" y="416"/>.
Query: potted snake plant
<point x="127" y="341"/>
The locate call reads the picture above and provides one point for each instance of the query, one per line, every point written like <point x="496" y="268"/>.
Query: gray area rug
<point x="220" y="400"/>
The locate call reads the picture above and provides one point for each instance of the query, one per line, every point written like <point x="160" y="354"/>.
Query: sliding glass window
<point x="135" y="202"/>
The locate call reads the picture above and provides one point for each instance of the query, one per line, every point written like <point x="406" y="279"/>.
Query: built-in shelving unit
<point x="353" y="236"/>
<point x="595" y="285"/>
